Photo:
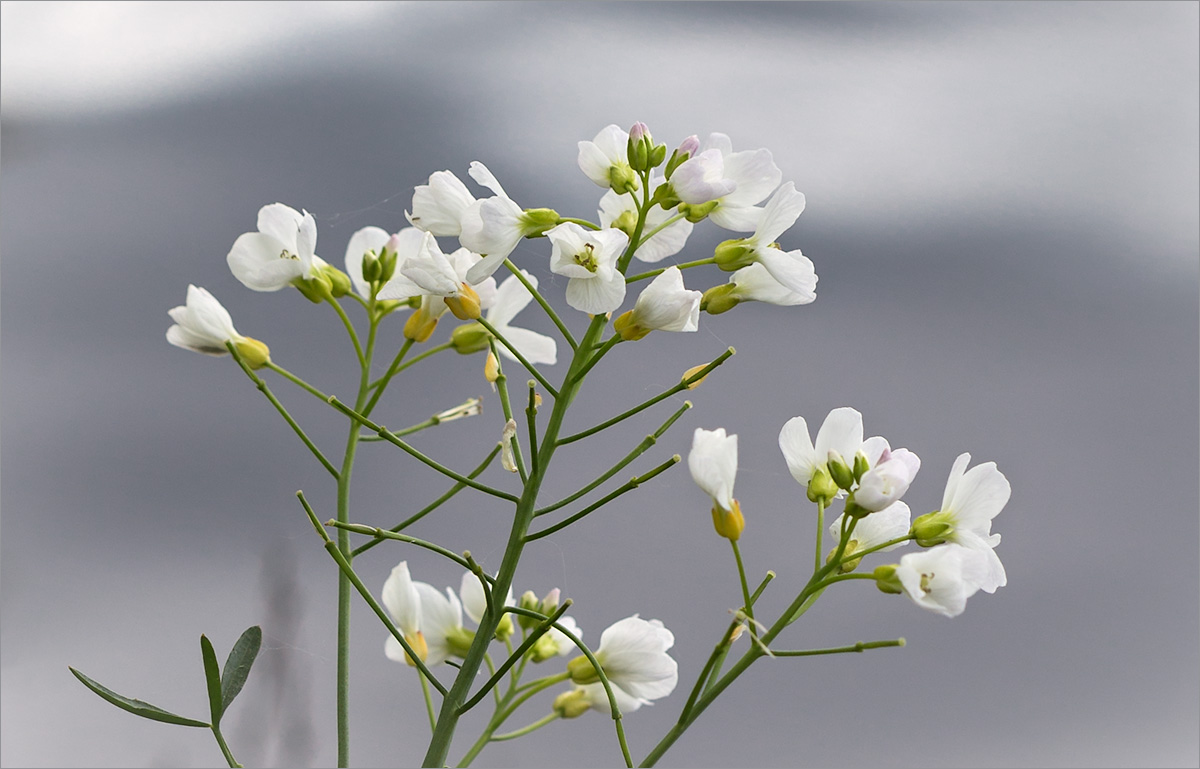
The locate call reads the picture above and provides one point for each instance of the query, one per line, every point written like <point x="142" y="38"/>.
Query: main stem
<point x="343" y="516"/>
<point x="439" y="746"/>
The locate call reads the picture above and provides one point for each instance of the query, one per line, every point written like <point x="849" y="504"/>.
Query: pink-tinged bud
<point x="689" y="145"/>
<point x="393" y="244"/>
<point x="638" y="130"/>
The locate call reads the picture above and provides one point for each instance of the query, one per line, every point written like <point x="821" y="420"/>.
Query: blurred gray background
<point x="1002" y="210"/>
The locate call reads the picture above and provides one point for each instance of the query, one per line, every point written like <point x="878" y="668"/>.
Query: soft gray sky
<point x="1003" y="212"/>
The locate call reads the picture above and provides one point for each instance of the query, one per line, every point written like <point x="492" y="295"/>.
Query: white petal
<point x="189" y="340"/>
<point x="798" y="450"/>
<point x="598" y="699"/>
<point x="255" y="260"/>
<point x="366" y="239"/>
<point x="755" y="283"/>
<point x="666" y="305"/>
<point x="613" y="141"/>
<point x="439" y="205"/>
<point x="596" y="296"/>
<point x="594" y="164"/>
<point x="842" y="431"/>
<point x="281" y="223"/>
<point x="402" y="600"/>
<point x="474" y="602"/>
<point x="756" y="176"/>
<point x="480" y="173"/>
<point x="713" y="464"/>
<point x="736" y="218"/>
<point x="780" y="213"/>
<point x="207" y="316"/>
<point x="306" y="243"/>
<point x="981" y="493"/>
<point x="511" y="298"/>
<point x="537" y="348"/>
<point x="792" y="269"/>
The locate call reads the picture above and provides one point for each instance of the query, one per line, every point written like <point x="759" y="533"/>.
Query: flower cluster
<point x="872" y="477"/>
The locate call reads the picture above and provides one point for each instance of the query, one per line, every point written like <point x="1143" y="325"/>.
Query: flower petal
<point x="595" y="295"/>
<point x="366" y="239"/>
<point x="257" y="261"/>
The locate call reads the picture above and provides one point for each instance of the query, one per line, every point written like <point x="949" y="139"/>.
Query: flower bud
<point x="529" y="602"/>
<point x="696" y="213"/>
<point x="664" y="195"/>
<point x="861" y="465"/>
<point x="886" y="579"/>
<point x="253" y="352"/>
<point x="465" y="305"/>
<point x="626" y="325"/>
<point x="370" y="267"/>
<point x="729" y="523"/>
<point x="623" y="179"/>
<point x="719" y="299"/>
<point x="339" y="282"/>
<point x="855" y="510"/>
<point x="693" y="371"/>
<point x="733" y="255"/>
<point x="387" y="265"/>
<point x="549" y="604"/>
<point x="544" y="648"/>
<point x="420" y="325"/>
<point x="841" y="473"/>
<point x="572" y="704"/>
<point x="505" y="628"/>
<point x="581" y="671"/>
<point x="535" y="221"/>
<point x="686" y="149"/>
<point x="491" y="368"/>
<point x="626" y="222"/>
<point x="932" y="529"/>
<point x="459" y="641"/>
<point x="470" y="338"/>
<point x="315" y="289"/>
<point x="848" y="566"/>
<point x="821" y="487"/>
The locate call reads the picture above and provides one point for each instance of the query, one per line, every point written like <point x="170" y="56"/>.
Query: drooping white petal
<point x="798" y="450"/>
<point x="737" y="218"/>
<point x="754" y="283"/>
<point x="792" y="269"/>
<point x="780" y="213"/>
<point x="402" y="600"/>
<point x="439" y="205"/>
<point x="431" y="270"/>
<point x="713" y="464"/>
<point x="598" y="699"/>
<point x="537" y="348"/>
<point x="201" y="325"/>
<point x="409" y="242"/>
<point x="665" y="304"/>
<point x="362" y="241"/>
<point x="480" y="173"/>
<point x="595" y="295"/>
<point x="511" y="298"/>
<point x="633" y="653"/>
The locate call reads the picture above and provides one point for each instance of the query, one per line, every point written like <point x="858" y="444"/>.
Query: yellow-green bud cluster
<point x="572" y="704"/>
<point x="821" y="487"/>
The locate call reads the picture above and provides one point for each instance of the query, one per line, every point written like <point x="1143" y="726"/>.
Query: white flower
<point x="701" y="178"/>
<point x="282" y="251"/>
<point x="511" y="298"/>
<point x="608" y="149"/>
<point x="431" y="622"/>
<point x="790" y="268"/>
<point x="713" y="463"/>
<point x="842" y="432"/>
<point x="942" y="578"/>
<point x="474" y="602"/>
<point x="563" y="645"/>
<point x="202" y="325"/>
<point x="971" y="500"/>
<point x="892" y="522"/>
<point x="430" y="273"/>
<point x="589" y="259"/>
<point x="633" y="655"/>
<point x="492" y="226"/>
<point x="363" y="241"/>
<point x="666" y="242"/>
<point x="889" y="476"/>
<point x="754" y="283"/>
<point x="438" y="206"/>
<point x="664" y="305"/>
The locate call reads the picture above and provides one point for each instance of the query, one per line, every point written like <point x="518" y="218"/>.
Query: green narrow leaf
<point x="137" y="707"/>
<point x="212" y="674"/>
<point x="237" y="667"/>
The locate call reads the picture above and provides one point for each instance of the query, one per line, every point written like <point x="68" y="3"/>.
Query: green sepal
<point x="212" y="676"/>
<point x="136" y="707"/>
<point x="238" y="664"/>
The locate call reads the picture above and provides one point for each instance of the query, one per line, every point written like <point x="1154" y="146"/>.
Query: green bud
<point x="622" y="178"/>
<point x="535" y="221"/>
<point x="933" y="529"/>
<point x="544" y="648"/>
<point x="459" y="641"/>
<point x="821" y="487"/>
<point x="339" y="282"/>
<point x="861" y="465"/>
<point x="854" y="511"/>
<point x="886" y="579"/>
<point x="733" y="254"/>
<point x="370" y="267"/>
<point x="842" y="475"/>
<point x="657" y="155"/>
<point x="505" y="628"/>
<point x="638" y="153"/>
<point x="549" y="604"/>
<point x="470" y="338"/>
<point x="626" y="222"/>
<point x="626" y="325"/>
<point x="697" y="213"/>
<point x="387" y="265"/>
<point x="848" y="566"/>
<point x="316" y="289"/>
<point x="719" y="299"/>
<point x="253" y="352"/>
<point x="665" y="196"/>
<point x="581" y="671"/>
<point x="572" y="704"/>
<point x="528" y="601"/>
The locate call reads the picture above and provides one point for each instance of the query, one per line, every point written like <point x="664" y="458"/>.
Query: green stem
<point x="762" y="586"/>
<point x="525" y="646"/>
<point x="638" y="450"/>
<point x="531" y="424"/>
<point x="610" y="343"/>
<point x="661" y="270"/>
<point x="580" y="222"/>
<point x="562" y="328"/>
<point x="265" y="390"/>
<point x="506" y="407"/>
<point x="428" y="701"/>
<point x="683" y="385"/>
<point x="861" y="646"/>
<point x="382" y="383"/>
<point x="820" y="532"/>
<point x="748" y="607"/>
<point x="229" y="759"/>
<point x="358" y="350"/>
<point x="383" y="380"/>
<point x="629" y="485"/>
<point x="295" y="379"/>
<point x="646" y="238"/>
<point x="538" y="724"/>
<point x="387" y="435"/>
<point x="378" y="533"/>
<point x="517" y="354"/>
<point x="431" y="506"/>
